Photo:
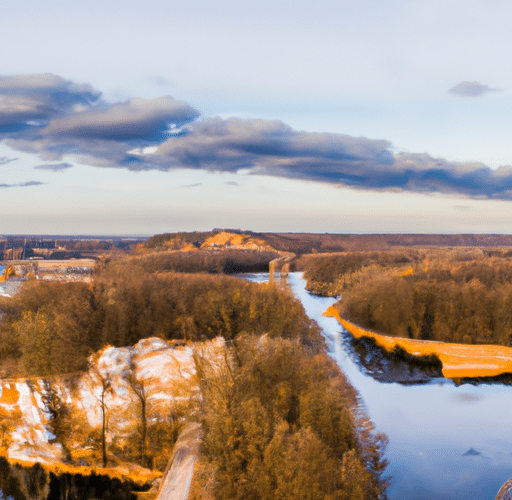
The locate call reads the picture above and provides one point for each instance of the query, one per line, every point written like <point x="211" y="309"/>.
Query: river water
<point x="446" y="442"/>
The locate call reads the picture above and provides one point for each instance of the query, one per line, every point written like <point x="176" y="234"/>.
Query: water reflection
<point x="398" y="366"/>
<point x="432" y="426"/>
<point x="259" y="277"/>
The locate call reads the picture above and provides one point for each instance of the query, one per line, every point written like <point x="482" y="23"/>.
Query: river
<point x="446" y="442"/>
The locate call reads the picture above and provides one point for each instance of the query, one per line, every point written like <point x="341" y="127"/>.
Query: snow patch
<point x="166" y="371"/>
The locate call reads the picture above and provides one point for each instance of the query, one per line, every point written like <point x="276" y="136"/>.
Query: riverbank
<point x="459" y="360"/>
<point x="446" y="441"/>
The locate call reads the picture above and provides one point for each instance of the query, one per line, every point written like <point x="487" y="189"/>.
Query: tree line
<point x="327" y="274"/>
<point x="462" y="295"/>
<point x="206" y="261"/>
<point x="51" y="328"/>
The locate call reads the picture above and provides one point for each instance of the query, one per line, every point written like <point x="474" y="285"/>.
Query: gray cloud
<point x="4" y="160"/>
<point x="231" y="183"/>
<point x="55" y="118"/>
<point x="100" y="153"/>
<point x="55" y="167"/>
<point x="471" y="89"/>
<point x="272" y="148"/>
<point x="26" y="100"/>
<point x="22" y="184"/>
<point x="137" y="119"/>
<point x="197" y="184"/>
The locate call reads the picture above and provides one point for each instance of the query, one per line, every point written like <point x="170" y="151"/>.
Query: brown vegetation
<point x="461" y="295"/>
<point x="328" y="274"/>
<point x="205" y="261"/>
<point x="53" y="327"/>
<point x="276" y="429"/>
<point x="22" y="480"/>
<point x="279" y="419"/>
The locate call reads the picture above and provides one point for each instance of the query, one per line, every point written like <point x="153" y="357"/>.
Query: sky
<point x="138" y="118"/>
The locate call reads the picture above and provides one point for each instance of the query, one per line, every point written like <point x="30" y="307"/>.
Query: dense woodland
<point x="279" y="418"/>
<point x="457" y="295"/>
<point x="206" y="261"/>
<point x="328" y="274"/>
<point x="281" y="429"/>
<point x="51" y="328"/>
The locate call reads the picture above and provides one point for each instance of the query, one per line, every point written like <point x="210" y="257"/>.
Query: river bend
<point x="446" y="442"/>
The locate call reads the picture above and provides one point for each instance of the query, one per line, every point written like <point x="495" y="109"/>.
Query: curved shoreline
<point x="458" y="360"/>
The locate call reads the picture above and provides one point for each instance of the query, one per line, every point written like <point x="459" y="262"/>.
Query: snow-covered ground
<point x="165" y="371"/>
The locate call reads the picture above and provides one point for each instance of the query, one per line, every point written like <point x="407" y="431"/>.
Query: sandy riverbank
<point x="459" y="360"/>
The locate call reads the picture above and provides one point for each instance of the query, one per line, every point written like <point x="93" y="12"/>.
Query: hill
<point x="303" y="243"/>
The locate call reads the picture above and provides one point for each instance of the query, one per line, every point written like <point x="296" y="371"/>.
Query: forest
<point x="281" y="429"/>
<point x="459" y="295"/>
<point x="272" y="428"/>
<point x="212" y="262"/>
<point x="51" y="328"/>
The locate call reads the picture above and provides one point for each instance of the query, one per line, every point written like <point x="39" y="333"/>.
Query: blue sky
<point x="145" y="117"/>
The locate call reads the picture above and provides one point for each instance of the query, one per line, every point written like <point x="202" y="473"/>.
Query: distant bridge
<point x="280" y="265"/>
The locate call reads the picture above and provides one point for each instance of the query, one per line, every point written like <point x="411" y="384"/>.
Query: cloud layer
<point x="58" y="119"/>
<point x="31" y="99"/>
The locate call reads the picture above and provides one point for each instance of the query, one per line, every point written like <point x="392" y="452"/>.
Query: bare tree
<point x="58" y="414"/>
<point x="106" y="389"/>
<point x="139" y="388"/>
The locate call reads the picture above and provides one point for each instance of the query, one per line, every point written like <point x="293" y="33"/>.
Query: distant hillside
<point x="213" y="240"/>
<point x="302" y="243"/>
<point x="235" y="241"/>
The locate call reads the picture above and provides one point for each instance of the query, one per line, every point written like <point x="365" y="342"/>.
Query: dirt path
<point x="178" y="475"/>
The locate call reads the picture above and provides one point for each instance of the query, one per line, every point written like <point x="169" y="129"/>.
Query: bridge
<point x="280" y="265"/>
